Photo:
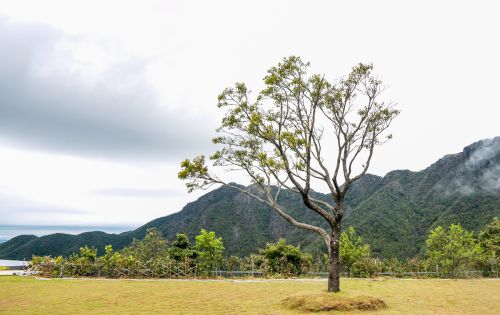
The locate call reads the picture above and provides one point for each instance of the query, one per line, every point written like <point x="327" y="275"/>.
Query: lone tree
<point x="299" y="131"/>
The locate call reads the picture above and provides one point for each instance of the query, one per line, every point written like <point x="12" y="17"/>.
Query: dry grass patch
<point x="26" y="295"/>
<point x="324" y="301"/>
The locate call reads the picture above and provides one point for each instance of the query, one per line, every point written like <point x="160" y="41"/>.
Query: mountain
<point x="393" y="213"/>
<point x="13" y="244"/>
<point x="459" y="188"/>
<point x="24" y="246"/>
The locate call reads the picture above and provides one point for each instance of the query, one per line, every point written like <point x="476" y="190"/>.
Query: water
<point x="12" y="263"/>
<point x="9" y="231"/>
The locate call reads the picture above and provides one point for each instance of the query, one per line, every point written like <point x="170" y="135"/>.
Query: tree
<point x="181" y="248"/>
<point x="352" y="249"/>
<point x="489" y="237"/>
<point x="452" y="250"/>
<point x="489" y="240"/>
<point x="151" y="252"/>
<point x="210" y="249"/>
<point x="298" y="132"/>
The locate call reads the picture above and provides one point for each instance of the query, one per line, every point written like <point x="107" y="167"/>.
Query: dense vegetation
<point x="394" y="214"/>
<point x="451" y="252"/>
<point x="22" y="247"/>
<point x="149" y="257"/>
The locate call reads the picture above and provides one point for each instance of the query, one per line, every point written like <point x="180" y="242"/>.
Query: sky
<point x="100" y="101"/>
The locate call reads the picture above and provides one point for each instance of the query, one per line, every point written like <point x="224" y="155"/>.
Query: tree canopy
<point x="352" y="249"/>
<point x="452" y="250"/>
<point x="210" y="249"/>
<point x="300" y="130"/>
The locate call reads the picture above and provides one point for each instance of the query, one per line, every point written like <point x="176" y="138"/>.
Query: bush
<point x="47" y="266"/>
<point x="394" y="266"/>
<point x="83" y="264"/>
<point x="285" y="260"/>
<point x="353" y="252"/>
<point x="366" y="267"/>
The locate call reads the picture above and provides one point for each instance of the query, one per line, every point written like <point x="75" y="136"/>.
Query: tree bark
<point x="334" y="262"/>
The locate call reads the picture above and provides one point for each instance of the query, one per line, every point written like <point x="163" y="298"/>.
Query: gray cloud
<point x="117" y="117"/>
<point x="491" y="179"/>
<point x="485" y="151"/>
<point x="487" y="156"/>
<point x="480" y="170"/>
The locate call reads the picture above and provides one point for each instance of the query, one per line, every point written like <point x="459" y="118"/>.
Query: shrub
<point x="47" y="266"/>
<point x="285" y="260"/>
<point x="352" y="251"/>
<point x="366" y="267"/>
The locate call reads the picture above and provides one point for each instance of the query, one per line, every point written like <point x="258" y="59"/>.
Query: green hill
<point x="24" y="246"/>
<point x="393" y="213"/>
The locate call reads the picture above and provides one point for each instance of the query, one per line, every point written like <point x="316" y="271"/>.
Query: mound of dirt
<point x="316" y="302"/>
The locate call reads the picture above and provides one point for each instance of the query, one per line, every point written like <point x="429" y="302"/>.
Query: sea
<point x="9" y="231"/>
<point x="12" y="263"/>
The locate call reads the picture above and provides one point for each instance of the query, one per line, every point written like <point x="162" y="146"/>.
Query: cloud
<point x="483" y="152"/>
<point x="487" y="156"/>
<point x="54" y="100"/>
<point x="17" y="210"/>
<point x="128" y="192"/>
<point x="480" y="170"/>
<point x="491" y="179"/>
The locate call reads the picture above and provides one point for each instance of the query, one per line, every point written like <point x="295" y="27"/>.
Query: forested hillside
<point x="393" y="213"/>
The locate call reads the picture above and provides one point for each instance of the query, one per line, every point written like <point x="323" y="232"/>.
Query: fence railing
<point x="175" y="271"/>
<point x="463" y="274"/>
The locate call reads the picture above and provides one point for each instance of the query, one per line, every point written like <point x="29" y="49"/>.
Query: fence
<point x="176" y="271"/>
<point x="421" y="274"/>
<point x="68" y="269"/>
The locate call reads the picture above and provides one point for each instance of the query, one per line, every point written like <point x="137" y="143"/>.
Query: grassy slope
<point x="21" y="295"/>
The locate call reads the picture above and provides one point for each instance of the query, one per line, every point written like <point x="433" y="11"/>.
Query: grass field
<point x="25" y="295"/>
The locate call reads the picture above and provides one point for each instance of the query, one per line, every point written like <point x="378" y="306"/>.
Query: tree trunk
<point x="334" y="262"/>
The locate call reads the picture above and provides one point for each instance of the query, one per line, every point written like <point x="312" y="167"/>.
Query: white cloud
<point x="41" y="188"/>
<point x="140" y="70"/>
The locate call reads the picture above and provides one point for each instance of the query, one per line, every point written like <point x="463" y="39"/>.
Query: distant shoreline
<point x="8" y="232"/>
<point x="12" y="263"/>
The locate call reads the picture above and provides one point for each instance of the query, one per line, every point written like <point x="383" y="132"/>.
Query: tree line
<point x="450" y="252"/>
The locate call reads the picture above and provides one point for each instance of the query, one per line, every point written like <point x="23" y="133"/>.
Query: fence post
<point x="251" y="262"/>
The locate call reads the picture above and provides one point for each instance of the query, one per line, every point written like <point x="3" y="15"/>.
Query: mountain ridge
<point x="394" y="212"/>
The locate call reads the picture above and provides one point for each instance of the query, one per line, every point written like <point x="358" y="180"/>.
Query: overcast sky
<point x="101" y="100"/>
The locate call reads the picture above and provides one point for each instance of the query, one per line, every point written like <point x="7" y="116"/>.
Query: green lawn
<point x="26" y="295"/>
